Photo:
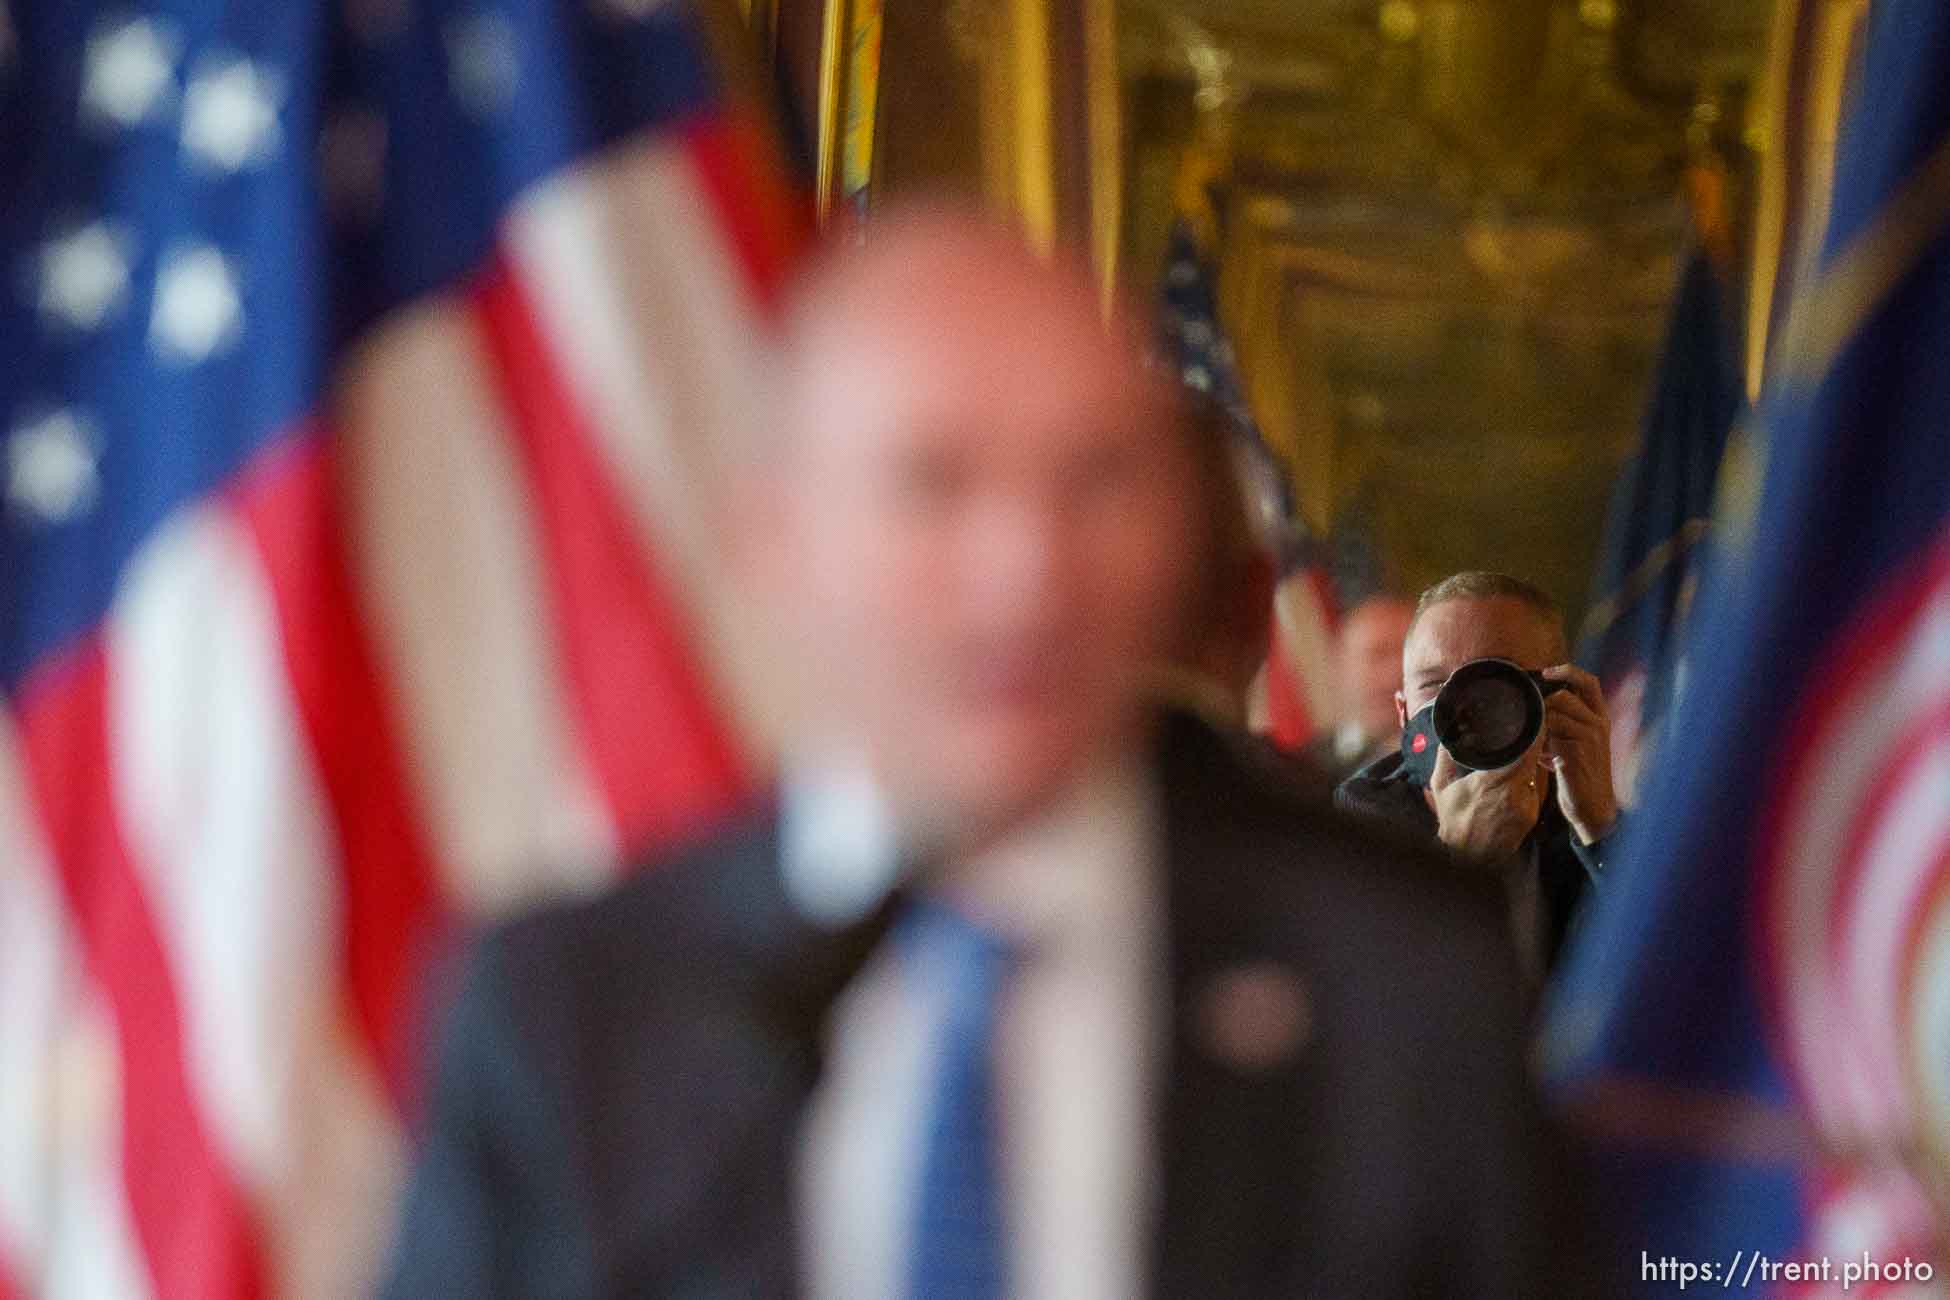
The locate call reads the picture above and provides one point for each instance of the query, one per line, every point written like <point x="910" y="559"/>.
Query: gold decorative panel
<point x="1448" y="233"/>
<point x="1447" y="229"/>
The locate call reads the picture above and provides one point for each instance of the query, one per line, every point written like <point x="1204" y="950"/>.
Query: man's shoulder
<point x="1295" y="827"/>
<point x="1380" y="791"/>
<point x="1392" y="933"/>
<point x="668" y="911"/>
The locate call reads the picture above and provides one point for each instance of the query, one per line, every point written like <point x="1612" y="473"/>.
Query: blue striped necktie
<point x="959" y="1245"/>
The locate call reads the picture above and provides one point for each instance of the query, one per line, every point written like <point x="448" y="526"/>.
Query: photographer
<point x="1542" y="819"/>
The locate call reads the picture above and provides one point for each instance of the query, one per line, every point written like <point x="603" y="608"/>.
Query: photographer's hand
<point x="1485" y="815"/>
<point x="1577" y="729"/>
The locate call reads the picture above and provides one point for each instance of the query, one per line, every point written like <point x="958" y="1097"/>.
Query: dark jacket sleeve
<point x="1600" y="853"/>
<point x="480" y="1218"/>
<point x="1515" y="1218"/>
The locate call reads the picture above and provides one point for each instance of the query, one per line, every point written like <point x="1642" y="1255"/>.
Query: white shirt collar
<point x="1351" y="741"/>
<point x="1085" y="864"/>
<point x="1079" y="1049"/>
<point x="839" y="851"/>
<point x="1082" y="867"/>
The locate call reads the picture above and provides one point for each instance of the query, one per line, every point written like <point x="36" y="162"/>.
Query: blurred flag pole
<point x="1755" y="1027"/>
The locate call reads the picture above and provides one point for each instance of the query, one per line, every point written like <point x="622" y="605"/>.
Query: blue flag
<point x="1661" y="513"/>
<point x="1757" y="1024"/>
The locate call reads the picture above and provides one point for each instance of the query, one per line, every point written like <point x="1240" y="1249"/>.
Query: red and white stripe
<point x="64" y="1220"/>
<point x="457" y="644"/>
<point x="1856" y="862"/>
<point x="1295" y="695"/>
<point x="1875" y="1228"/>
<point x="1855" y="855"/>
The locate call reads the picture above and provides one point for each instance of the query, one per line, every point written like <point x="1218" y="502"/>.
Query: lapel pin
<point x="1254" y="1017"/>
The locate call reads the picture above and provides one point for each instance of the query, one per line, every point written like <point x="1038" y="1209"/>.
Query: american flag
<point x="360" y="363"/>
<point x="1298" y="680"/>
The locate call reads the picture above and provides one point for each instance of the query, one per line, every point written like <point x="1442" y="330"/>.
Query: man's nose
<point x="1019" y="559"/>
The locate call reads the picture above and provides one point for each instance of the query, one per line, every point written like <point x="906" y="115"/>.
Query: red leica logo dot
<point x="1421" y="742"/>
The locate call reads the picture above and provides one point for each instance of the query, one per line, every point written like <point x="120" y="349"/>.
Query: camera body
<point x="1487" y="715"/>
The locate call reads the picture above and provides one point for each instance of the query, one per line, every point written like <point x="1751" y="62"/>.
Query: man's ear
<point x="1401" y="709"/>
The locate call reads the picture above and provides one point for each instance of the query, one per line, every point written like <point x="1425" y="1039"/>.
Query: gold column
<point x="833" y="39"/>
<point x="1103" y="88"/>
<point x="849" y="98"/>
<point x="1030" y="64"/>
<point x="1018" y="136"/>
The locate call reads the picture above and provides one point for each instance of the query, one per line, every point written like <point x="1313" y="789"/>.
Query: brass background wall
<point x="1447" y="229"/>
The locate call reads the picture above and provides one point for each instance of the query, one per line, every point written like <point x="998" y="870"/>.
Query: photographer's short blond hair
<point x="1484" y="584"/>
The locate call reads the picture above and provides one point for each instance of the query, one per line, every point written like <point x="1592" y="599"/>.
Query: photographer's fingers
<point x="1540" y="762"/>
<point x="1447" y="770"/>
<point x="1524" y="791"/>
<point x="1581" y="744"/>
<point x="1567" y="716"/>
<point x="1521" y="785"/>
<point x="1585" y="688"/>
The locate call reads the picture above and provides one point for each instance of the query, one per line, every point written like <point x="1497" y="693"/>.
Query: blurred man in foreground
<point x="1015" y="990"/>
<point x="1368" y="669"/>
<point x="1541" y="826"/>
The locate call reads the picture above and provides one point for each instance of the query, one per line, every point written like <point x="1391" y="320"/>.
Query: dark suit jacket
<point x="620" y="1081"/>
<point x="1324" y="753"/>
<point x="1567" y="869"/>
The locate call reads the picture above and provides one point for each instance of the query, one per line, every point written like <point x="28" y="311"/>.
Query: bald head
<point x="979" y="510"/>
<point x="941" y="300"/>
<point x="967" y="254"/>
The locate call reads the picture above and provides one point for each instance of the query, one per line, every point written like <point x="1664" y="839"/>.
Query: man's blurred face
<point x="1371" y="662"/>
<point x="1454" y="632"/>
<point x="983" y="522"/>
